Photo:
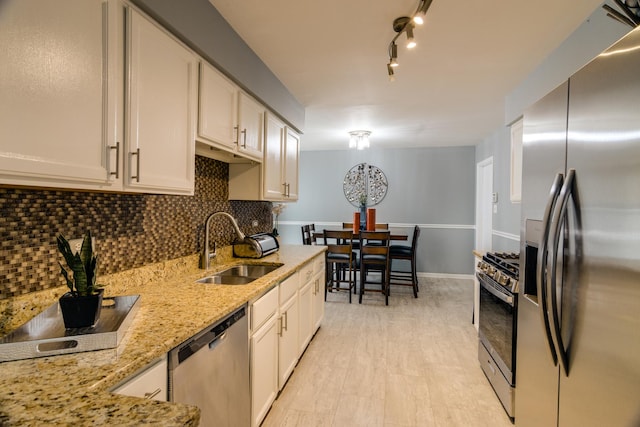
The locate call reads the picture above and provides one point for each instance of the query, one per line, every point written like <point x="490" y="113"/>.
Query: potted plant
<point x="81" y="305"/>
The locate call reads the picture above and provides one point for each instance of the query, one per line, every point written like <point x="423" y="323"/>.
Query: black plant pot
<point x="80" y="311"/>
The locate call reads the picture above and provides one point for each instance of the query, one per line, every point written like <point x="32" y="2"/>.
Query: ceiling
<point x="448" y="91"/>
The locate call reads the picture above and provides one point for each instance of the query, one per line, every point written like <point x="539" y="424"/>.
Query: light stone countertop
<point x="73" y="389"/>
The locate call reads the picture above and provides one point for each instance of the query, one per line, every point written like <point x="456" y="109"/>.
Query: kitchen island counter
<point x="75" y="388"/>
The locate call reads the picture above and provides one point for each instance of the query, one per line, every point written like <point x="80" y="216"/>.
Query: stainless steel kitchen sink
<point x="240" y="274"/>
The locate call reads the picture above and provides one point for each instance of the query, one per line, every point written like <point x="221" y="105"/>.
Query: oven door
<point x="497" y="324"/>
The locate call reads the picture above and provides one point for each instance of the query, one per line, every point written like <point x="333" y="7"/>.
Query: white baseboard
<point x="446" y="276"/>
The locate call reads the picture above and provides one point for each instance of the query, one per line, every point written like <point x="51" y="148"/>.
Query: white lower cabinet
<point x="264" y="368"/>
<point x="305" y="321"/>
<point x="283" y="322"/>
<point x="150" y="383"/>
<point x="317" y="303"/>
<point x="288" y="329"/>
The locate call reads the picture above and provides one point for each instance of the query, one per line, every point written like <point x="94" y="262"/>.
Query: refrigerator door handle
<point x="541" y="266"/>
<point x="558" y="219"/>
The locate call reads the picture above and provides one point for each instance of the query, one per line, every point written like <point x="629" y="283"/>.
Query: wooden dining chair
<point x="374" y="257"/>
<point x="405" y="253"/>
<point x="307" y="234"/>
<point x="340" y="262"/>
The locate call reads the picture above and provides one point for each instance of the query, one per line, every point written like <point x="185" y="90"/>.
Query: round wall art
<point x="365" y="185"/>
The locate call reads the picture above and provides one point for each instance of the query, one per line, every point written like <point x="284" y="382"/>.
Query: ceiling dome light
<point x="359" y="139"/>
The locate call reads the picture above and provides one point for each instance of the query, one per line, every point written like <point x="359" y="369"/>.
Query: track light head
<point x="411" y="42"/>
<point x="393" y="54"/>
<point x="392" y="77"/>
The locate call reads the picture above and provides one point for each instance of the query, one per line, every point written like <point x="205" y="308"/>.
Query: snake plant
<point x="83" y="266"/>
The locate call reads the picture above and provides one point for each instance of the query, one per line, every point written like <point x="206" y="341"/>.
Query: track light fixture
<point x="405" y="24"/>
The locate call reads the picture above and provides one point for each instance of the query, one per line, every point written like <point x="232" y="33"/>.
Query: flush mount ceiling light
<point x="359" y="139"/>
<point x="405" y="24"/>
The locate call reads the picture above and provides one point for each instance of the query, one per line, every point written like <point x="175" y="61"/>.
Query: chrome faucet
<point x="205" y="257"/>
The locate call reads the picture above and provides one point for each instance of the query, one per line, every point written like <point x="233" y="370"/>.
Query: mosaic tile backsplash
<point x="131" y="230"/>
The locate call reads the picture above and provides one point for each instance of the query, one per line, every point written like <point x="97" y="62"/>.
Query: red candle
<point x="356" y="222"/>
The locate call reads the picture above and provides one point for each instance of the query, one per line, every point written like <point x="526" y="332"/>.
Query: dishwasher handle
<point x="210" y="337"/>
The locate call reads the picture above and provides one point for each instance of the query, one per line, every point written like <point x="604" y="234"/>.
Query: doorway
<point x="484" y="205"/>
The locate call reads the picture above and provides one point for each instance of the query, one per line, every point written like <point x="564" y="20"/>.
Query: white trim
<point x="391" y="225"/>
<point x="509" y="236"/>
<point x="446" y="276"/>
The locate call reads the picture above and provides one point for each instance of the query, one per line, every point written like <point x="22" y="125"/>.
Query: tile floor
<point x="413" y="363"/>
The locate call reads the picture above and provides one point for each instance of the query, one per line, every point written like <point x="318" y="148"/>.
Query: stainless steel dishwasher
<point x="211" y="371"/>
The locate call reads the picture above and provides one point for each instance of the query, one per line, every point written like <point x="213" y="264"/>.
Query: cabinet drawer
<point x="306" y="273"/>
<point x="288" y="288"/>
<point x="264" y="308"/>
<point x="318" y="264"/>
<point x="151" y="383"/>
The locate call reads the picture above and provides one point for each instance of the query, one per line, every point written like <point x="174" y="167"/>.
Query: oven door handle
<point x="557" y="222"/>
<point x="541" y="267"/>
<point x="502" y="296"/>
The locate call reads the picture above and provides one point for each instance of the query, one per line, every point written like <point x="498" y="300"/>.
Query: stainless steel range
<point x="498" y="275"/>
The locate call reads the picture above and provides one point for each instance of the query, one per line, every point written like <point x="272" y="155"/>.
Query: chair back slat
<point x="307" y="234"/>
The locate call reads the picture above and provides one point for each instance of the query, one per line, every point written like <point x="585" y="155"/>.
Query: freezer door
<point x="603" y="328"/>
<point x="544" y="148"/>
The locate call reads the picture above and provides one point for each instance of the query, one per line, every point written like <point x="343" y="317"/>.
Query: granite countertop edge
<point x="75" y="388"/>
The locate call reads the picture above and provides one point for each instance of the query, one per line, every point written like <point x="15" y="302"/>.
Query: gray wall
<point x="596" y="34"/>
<point x="202" y="27"/>
<point x="431" y="187"/>
<point x="592" y="37"/>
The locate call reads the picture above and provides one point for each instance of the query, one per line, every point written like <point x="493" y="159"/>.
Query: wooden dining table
<point x="356" y="235"/>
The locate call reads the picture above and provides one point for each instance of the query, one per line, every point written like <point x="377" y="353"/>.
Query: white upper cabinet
<point x="161" y="110"/>
<point x="290" y="167"/>
<point x="228" y="119"/>
<point x="59" y="87"/>
<point x="251" y="126"/>
<point x="280" y="172"/>
<point x="218" y="108"/>
<point x="276" y="179"/>
<point x="273" y="184"/>
<point x="63" y="108"/>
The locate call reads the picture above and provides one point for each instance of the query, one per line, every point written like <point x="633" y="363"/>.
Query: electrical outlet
<point x="254" y="223"/>
<point x="76" y="244"/>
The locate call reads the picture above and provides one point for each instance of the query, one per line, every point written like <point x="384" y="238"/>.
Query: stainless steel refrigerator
<point x="578" y="346"/>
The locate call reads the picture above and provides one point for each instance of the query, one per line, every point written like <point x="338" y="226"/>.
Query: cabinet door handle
<point x="237" y="129"/>
<point x="284" y="191"/>
<point x="117" y="148"/>
<point x="280" y="325"/>
<point x="244" y="138"/>
<point x="137" y="175"/>
<point x="286" y="321"/>
<point x="152" y="394"/>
